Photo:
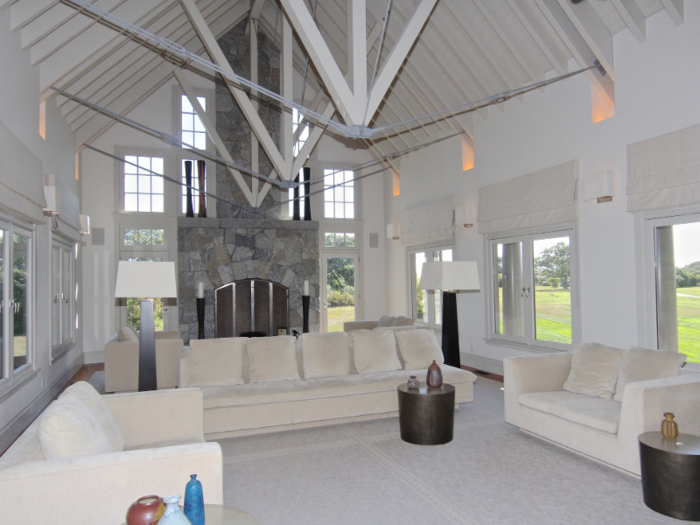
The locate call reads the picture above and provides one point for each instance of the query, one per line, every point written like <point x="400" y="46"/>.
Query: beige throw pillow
<point x="375" y="351"/>
<point x="216" y="362"/>
<point x="86" y="394"/>
<point x="68" y="430"/>
<point x="419" y="348"/>
<point x="325" y="355"/>
<point x="594" y="369"/>
<point x="403" y="321"/>
<point x="127" y="333"/>
<point x="272" y="359"/>
<point x="643" y="364"/>
<point x="385" y="320"/>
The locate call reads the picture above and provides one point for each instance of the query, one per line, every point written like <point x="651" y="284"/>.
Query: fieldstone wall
<point x="219" y="251"/>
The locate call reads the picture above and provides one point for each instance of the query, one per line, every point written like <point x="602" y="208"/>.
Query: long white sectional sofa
<point x="275" y="383"/>
<point x="597" y="400"/>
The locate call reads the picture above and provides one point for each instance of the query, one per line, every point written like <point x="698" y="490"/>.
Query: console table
<point x="426" y="415"/>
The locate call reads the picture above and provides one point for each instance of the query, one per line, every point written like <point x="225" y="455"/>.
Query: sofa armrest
<point x="183" y="372"/>
<point x="168" y="334"/>
<point x="122" y="366"/>
<point x="349" y="326"/>
<point x="100" y="488"/>
<point x="537" y="373"/>
<point x="167" y="357"/>
<point x="158" y="416"/>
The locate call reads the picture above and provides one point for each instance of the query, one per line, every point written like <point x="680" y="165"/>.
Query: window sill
<point x="58" y="352"/>
<point x="22" y="380"/>
<point x="540" y="349"/>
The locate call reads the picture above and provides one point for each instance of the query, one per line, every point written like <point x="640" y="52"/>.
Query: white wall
<point x="19" y="111"/>
<point x="656" y="90"/>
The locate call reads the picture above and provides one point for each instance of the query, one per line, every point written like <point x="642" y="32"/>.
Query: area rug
<point x="362" y="473"/>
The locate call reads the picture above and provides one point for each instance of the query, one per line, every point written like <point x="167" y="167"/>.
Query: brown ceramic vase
<point x="146" y="510"/>
<point x="434" y="379"/>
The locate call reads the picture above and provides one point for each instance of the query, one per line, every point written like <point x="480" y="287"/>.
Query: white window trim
<point x="645" y="222"/>
<point x="412" y="303"/>
<point x="171" y="192"/>
<point x="535" y="345"/>
<point x="68" y="341"/>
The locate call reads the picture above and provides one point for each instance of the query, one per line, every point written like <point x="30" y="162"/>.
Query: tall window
<point x="16" y="291"/>
<point x="339" y="194"/>
<point x="143" y="184"/>
<point x="426" y="305"/>
<point x="195" y="184"/>
<point x="532" y="277"/>
<point x="297" y="119"/>
<point x="63" y="255"/>
<point x="193" y="132"/>
<point x="676" y="254"/>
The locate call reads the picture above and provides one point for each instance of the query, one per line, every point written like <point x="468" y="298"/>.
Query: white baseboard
<point x="32" y="411"/>
<point x="94" y="357"/>
<point x="493" y="366"/>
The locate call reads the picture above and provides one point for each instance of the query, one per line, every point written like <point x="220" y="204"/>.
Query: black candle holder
<point x="201" y="303"/>
<point x="305" y="302"/>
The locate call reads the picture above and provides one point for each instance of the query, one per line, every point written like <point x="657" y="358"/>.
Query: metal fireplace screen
<point x="251" y="307"/>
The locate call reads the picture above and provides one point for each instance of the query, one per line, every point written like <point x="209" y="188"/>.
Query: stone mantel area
<point x="220" y="251"/>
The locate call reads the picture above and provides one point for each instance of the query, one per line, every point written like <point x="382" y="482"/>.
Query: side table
<point x="426" y="415"/>
<point x="223" y="515"/>
<point x="671" y="474"/>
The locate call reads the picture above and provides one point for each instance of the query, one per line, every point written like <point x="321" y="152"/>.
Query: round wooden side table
<point x="223" y="515"/>
<point x="426" y="415"/>
<point x="671" y="474"/>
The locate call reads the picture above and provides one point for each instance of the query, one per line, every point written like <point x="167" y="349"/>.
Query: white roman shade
<point x="664" y="171"/>
<point x="542" y="198"/>
<point x="428" y="223"/>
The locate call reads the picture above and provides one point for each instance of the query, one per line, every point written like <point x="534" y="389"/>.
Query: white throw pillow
<point x="403" y="321"/>
<point x="375" y="351"/>
<point x="68" y="429"/>
<point x="325" y="355"/>
<point x="419" y="348"/>
<point x="272" y="359"/>
<point x="216" y="362"/>
<point x="86" y="393"/>
<point x="385" y="320"/>
<point x="594" y="369"/>
<point x="127" y="333"/>
<point x="643" y="364"/>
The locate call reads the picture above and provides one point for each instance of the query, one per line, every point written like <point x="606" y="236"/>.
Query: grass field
<point x="338" y="315"/>
<point x="689" y="323"/>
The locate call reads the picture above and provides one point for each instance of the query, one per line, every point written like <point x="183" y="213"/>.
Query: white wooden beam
<point x="4" y="4"/>
<point x="357" y="47"/>
<point x="398" y="55"/>
<point x="45" y="25"/>
<point x="256" y="9"/>
<point x="633" y="17"/>
<point x="594" y="32"/>
<point x="24" y="13"/>
<point x="254" y="145"/>
<point x="218" y="57"/>
<point x="214" y="136"/>
<point x="674" y="9"/>
<point x="577" y="46"/>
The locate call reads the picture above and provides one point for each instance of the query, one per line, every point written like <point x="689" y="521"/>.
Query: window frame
<point x="430" y="294"/>
<point x="645" y="224"/>
<point x="356" y="191"/>
<point x="69" y="247"/>
<point x="529" y="341"/>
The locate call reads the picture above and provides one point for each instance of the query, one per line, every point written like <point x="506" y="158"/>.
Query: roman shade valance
<point x="428" y="223"/>
<point x="664" y="171"/>
<point x="541" y="198"/>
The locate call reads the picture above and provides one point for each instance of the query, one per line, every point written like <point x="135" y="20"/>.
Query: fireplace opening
<point x="252" y="306"/>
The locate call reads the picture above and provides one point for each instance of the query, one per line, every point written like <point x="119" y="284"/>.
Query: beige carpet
<point x="363" y="473"/>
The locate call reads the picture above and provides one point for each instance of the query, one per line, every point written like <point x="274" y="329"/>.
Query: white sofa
<point x="307" y="396"/>
<point x="163" y="444"/>
<point x="386" y="321"/>
<point x="604" y="429"/>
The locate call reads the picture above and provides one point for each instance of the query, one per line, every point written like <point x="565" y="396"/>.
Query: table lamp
<point x="450" y="277"/>
<point x="146" y="279"/>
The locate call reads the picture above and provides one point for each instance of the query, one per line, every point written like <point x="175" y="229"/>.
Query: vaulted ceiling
<point x="467" y="50"/>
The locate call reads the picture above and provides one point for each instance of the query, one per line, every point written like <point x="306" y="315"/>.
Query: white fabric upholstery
<point x="385" y="320"/>
<point x="375" y="351"/>
<point x="325" y="355"/>
<point x="594" y="370"/>
<point x="642" y="364"/>
<point x="591" y="411"/>
<point x="69" y="429"/>
<point x="86" y="393"/>
<point x="216" y="362"/>
<point x="272" y="359"/>
<point x="419" y="349"/>
<point x="127" y="333"/>
<point x="402" y="320"/>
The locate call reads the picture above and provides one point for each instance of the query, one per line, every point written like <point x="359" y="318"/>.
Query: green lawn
<point x="689" y="323"/>
<point x="337" y="315"/>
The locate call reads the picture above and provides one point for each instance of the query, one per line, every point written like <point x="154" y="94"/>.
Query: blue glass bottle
<point x="194" y="501"/>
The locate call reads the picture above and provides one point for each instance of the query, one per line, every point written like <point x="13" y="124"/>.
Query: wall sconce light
<point x="392" y="231"/>
<point x="464" y="216"/>
<point x="51" y="209"/>
<point x="599" y="186"/>
<point x="84" y="224"/>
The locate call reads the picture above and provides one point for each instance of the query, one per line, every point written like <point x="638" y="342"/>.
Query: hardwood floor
<point x="84" y="374"/>
<point x="482" y="373"/>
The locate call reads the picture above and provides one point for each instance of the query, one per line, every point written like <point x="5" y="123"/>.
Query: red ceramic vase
<point x="146" y="510"/>
<point x="434" y="379"/>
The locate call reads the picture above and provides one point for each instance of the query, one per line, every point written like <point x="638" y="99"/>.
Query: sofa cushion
<point x="403" y="321"/>
<point x="216" y="362"/>
<point x="419" y="348"/>
<point x="127" y="333"/>
<point x="643" y="364"/>
<point x="587" y="410"/>
<point x="594" y="369"/>
<point x="395" y="328"/>
<point x="375" y="351"/>
<point x="325" y="355"/>
<point x="386" y="320"/>
<point x="68" y="429"/>
<point x="86" y="393"/>
<point x="272" y="359"/>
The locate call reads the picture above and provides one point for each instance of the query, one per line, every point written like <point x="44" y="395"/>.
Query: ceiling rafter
<point x="674" y="9"/>
<point x="528" y="22"/>
<point x="24" y="13"/>
<point x="633" y="17"/>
